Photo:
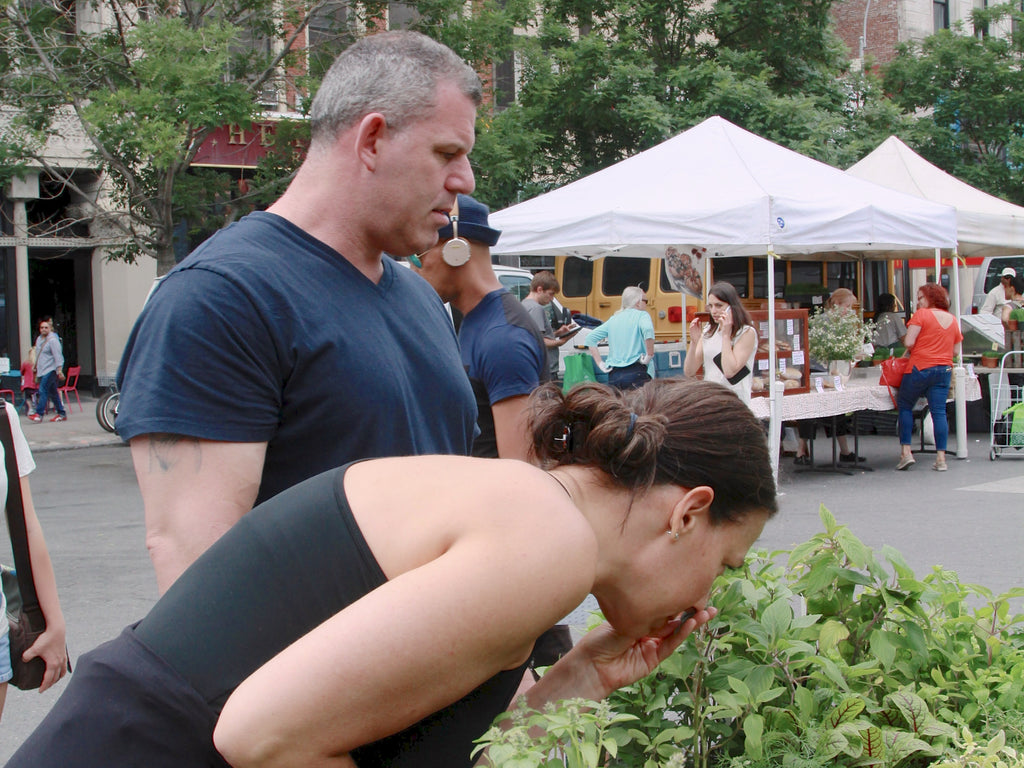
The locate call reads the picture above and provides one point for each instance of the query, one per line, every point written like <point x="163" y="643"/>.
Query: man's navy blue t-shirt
<point x="264" y="333"/>
<point x="504" y="356"/>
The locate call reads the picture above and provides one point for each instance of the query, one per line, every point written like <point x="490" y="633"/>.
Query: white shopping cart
<point x="1007" y="433"/>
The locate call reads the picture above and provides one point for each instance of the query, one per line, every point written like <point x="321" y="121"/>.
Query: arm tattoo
<point x="164" y="454"/>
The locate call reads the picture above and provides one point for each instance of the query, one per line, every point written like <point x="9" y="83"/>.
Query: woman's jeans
<point x="933" y="383"/>
<point x="629" y="377"/>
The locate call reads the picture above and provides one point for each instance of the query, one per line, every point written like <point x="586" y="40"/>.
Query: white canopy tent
<point x="985" y="225"/>
<point x="719" y="187"/>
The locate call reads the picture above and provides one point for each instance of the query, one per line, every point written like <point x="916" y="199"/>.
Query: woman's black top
<point x="152" y="696"/>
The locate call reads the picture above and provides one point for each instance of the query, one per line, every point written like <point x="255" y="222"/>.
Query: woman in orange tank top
<point x="933" y="339"/>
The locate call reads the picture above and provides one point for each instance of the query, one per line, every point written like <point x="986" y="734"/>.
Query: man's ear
<point x="372" y="128"/>
<point x="692" y="506"/>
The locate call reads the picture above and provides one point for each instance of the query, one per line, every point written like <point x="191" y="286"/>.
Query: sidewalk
<point x="81" y="430"/>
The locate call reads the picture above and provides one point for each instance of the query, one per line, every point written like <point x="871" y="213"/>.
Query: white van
<point x="988" y="276"/>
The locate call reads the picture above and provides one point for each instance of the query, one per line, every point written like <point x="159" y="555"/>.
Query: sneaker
<point x="35" y="417"/>
<point x="59" y="417"/>
<point x="850" y="458"/>
<point x="802" y="461"/>
<point x="939" y="466"/>
<point x="905" y="461"/>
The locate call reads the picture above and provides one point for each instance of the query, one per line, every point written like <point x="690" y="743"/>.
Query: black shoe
<point x="802" y="461"/>
<point x="850" y="458"/>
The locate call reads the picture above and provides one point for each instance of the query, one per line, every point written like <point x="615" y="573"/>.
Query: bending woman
<point x="933" y="339"/>
<point x="727" y="345"/>
<point x="380" y="614"/>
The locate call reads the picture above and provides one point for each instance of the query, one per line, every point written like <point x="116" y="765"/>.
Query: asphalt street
<point x="969" y="519"/>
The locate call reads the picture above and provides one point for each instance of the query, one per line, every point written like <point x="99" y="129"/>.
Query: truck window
<point x="997" y="265"/>
<point x="731" y="270"/>
<point x="518" y="285"/>
<point x="761" y="277"/>
<point x="666" y="284"/>
<point x="620" y="272"/>
<point x="577" y="277"/>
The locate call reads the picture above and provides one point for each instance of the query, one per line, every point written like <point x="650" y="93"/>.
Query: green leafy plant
<point x="994" y="754"/>
<point x="837" y="334"/>
<point x="576" y="734"/>
<point x="826" y="655"/>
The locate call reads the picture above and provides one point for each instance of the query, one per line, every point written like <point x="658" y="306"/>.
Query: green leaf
<point x="846" y="712"/>
<point x="832" y="633"/>
<point x="777" y="617"/>
<point x="882" y="647"/>
<point x="874" y="745"/>
<point x="753" y="730"/>
<point x="912" y="707"/>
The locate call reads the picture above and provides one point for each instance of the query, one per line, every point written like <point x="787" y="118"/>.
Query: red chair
<point x="71" y="385"/>
<point x="29" y="388"/>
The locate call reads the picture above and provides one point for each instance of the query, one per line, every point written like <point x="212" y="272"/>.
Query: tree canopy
<point x="596" y="81"/>
<point x="968" y="93"/>
<point x="604" y="79"/>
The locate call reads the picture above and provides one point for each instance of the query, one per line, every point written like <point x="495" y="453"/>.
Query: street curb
<point x="45" y="446"/>
<point x="81" y="430"/>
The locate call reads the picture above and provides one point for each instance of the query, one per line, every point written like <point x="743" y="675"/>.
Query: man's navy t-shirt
<point x="265" y="333"/>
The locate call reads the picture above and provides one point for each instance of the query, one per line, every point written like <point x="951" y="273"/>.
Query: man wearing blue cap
<point x="501" y="349"/>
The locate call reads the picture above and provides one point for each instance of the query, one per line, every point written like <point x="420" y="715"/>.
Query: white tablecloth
<point x="862" y="393"/>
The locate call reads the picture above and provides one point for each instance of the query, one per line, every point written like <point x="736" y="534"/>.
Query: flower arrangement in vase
<point x="837" y="336"/>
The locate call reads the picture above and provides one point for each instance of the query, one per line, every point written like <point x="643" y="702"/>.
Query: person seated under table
<point x="806" y="430"/>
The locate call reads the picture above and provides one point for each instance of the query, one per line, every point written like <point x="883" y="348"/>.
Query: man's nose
<point x="461" y="179"/>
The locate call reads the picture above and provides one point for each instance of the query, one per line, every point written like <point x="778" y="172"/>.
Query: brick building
<point x="871" y="29"/>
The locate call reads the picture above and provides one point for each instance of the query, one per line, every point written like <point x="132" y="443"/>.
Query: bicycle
<point x="106" y="408"/>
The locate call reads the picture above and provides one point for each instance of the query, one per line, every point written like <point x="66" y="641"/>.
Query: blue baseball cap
<point x="472" y="217"/>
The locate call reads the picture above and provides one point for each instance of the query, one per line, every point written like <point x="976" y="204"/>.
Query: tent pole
<point x="774" y="431"/>
<point x="959" y="382"/>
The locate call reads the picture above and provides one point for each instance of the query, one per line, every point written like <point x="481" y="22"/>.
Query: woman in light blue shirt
<point x="630" y="335"/>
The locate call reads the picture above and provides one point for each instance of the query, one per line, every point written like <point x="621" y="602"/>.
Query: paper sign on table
<point x="838" y="381"/>
<point x="819" y="383"/>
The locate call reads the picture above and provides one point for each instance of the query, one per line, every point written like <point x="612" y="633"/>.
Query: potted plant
<point x="881" y="353"/>
<point x="837" y="337"/>
<point x="1015" y="318"/>
<point x="990" y="358"/>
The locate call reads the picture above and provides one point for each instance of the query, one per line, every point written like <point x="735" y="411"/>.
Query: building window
<point x="505" y="83"/>
<point x="940" y="14"/>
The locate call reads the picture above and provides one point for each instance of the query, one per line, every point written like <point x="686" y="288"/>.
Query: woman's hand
<point x="604" y="660"/>
<point x="695" y="330"/>
<point x="51" y="647"/>
<point x="725" y="323"/>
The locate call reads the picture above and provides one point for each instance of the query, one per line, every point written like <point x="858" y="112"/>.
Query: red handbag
<point x="893" y="369"/>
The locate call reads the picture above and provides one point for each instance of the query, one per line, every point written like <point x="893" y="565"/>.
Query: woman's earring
<point x="673" y="534"/>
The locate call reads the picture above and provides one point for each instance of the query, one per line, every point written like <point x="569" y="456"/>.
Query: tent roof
<point x="986" y="225"/>
<point x="720" y="187"/>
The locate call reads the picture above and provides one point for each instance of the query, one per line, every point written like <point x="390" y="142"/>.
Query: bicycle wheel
<point x="106" y="410"/>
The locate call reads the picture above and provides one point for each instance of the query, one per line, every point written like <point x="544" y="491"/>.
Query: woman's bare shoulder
<point x="436" y="500"/>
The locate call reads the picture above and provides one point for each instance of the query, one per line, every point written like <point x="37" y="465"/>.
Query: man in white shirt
<point x="996" y="298"/>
